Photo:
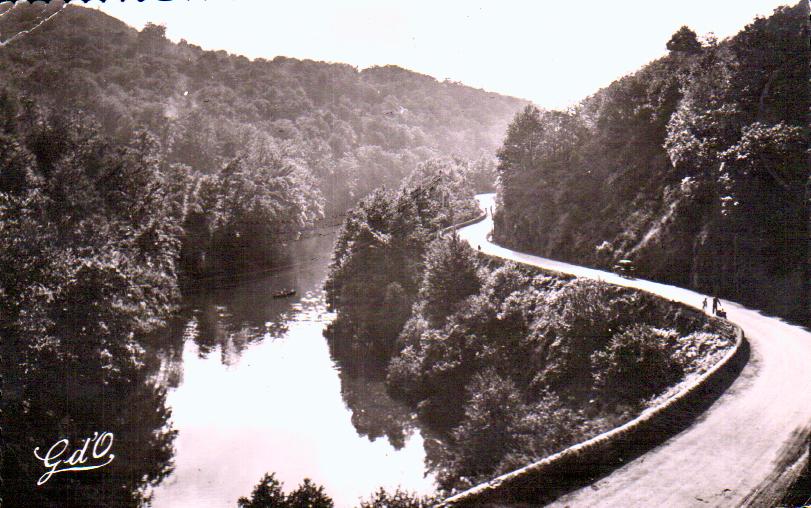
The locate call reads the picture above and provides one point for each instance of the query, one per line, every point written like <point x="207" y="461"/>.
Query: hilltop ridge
<point x="356" y="129"/>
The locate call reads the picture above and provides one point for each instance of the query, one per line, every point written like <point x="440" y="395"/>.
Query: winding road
<point x="736" y="449"/>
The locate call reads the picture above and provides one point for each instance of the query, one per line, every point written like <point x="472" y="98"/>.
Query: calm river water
<point x="253" y="389"/>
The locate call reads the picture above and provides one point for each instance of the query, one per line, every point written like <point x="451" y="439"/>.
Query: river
<point x="252" y="388"/>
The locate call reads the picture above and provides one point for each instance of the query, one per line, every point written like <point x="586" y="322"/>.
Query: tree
<point x="309" y="495"/>
<point x="267" y="494"/>
<point x="484" y="435"/>
<point x="451" y="275"/>
<point x="88" y="246"/>
<point x="151" y="37"/>
<point x="481" y="174"/>
<point x="16" y="165"/>
<point x="684" y="41"/>
<point x="762" y="188"/>
<point x="240" y="217"/>
<point x="379" y="260"/>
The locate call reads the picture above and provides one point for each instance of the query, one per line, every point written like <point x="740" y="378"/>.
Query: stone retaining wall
<point x="464" y="224"/>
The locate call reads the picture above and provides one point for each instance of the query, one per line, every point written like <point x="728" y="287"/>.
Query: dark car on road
<point x="624" y="268"/>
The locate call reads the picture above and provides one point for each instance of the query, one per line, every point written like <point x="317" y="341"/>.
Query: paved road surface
<point x="733" y="449"/>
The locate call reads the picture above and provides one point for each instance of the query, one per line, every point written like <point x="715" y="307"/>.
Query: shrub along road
<point x="732" y="454"/>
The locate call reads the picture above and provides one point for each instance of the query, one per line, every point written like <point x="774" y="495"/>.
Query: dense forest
<point x="132" y="168"/>
<point x="515" y="365"/>
<point x="352" y="130"/>
<point x="308" y="139"/>
<point x="502" y="364"/>
<point x="695" y="168"/>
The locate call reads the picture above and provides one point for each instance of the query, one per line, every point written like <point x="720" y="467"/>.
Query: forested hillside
<point x="352" y="130"/>
<point x="695" y="167"/>
<point x="128" y="161"/>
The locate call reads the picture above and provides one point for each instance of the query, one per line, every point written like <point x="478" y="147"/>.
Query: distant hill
<point x="355" y="129"/>
<point x="695" y="167"/>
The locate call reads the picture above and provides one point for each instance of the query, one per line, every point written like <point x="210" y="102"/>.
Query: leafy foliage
<point x="88" y="250"/>
<point x="397" y="499"/>
<point x="377" y="267"/>
<point x="500" y="431"/>
<point x="268" y="494"/>
<point x="684" y="40"/>
<point x="450" y="277"/>
<point x="696" y="166"/>
<point x="529" y="364"/>
<point x="239" y="218"/>
<point x="356" y="130"/>
<point x="504" y="364"/>
<point x="638" y="353"/>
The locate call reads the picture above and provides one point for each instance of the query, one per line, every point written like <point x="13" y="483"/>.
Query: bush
<point x="641" y="354"/>
<point x="501" y="431"/>
<point x="484" y="437"/>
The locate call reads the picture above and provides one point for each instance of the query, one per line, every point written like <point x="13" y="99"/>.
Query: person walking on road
<point x="715" y="303"/>
<point x="704" y="305"/>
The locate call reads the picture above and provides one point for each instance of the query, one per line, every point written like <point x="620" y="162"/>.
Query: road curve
<point x="737" y="446"/>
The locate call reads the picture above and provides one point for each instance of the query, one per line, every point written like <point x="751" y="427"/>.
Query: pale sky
<point x="553" y="53"/>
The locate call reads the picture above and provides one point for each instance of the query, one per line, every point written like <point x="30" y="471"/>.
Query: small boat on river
<point x="284" y="293"/>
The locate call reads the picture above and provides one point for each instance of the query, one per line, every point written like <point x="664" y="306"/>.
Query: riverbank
<point x="505" y="364"/>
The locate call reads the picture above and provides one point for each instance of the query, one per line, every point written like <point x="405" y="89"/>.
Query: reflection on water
<point x="241" y="385"/>
<point x="375" y="414"/>
<point x="253" y="389"/>
<point x="65" y="399"/>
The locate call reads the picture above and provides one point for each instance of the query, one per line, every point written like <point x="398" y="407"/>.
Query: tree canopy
<point x="684" y="40"/>
<point x="695" y="167"/>
<point x="352" y="130"/>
